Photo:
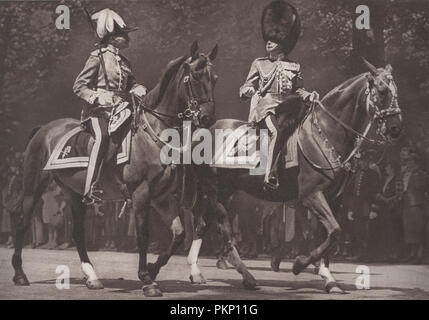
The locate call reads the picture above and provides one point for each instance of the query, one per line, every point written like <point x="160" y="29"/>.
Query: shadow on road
<point x="233" y="289"/>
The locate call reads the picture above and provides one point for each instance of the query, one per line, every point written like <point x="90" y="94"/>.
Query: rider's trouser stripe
<point x="273" y="130"/>
<point x="94" y="154"/>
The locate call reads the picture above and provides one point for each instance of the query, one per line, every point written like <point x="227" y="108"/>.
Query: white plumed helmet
<point x="109" y="22"/>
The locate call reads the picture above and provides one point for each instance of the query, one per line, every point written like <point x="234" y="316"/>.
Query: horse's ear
<point x="213" y="53"/>
<point x="370" y="67"/>
<point x="389" y="68"/>
<point x="186" y="67"/>
<point x="371" y="79"/>
<point x="194" y="49"/>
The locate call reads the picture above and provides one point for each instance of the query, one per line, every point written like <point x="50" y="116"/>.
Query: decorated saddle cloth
<point x="247" y="148"/>
<point x="74" y="148"/>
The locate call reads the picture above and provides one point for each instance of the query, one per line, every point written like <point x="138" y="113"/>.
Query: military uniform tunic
<point x="91" y="81"/>
<point x="274" y="81"/>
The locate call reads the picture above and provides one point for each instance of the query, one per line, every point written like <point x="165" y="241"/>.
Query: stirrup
<point x="271" y="185"/>
<point x="93" y="196"/>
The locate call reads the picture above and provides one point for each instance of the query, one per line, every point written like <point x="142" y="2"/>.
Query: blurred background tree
<point x="38" y="64"/>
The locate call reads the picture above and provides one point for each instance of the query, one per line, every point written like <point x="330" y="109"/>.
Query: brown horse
<point x="185" y="92"/>
<point x="362" y="109"/>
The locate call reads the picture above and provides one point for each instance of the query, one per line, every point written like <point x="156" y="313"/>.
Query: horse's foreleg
<point x="78" y="211"/>
<point x="319" y="206"/>
<point x="229" y="250"/>
<point x="177" y="240"/>
<point x="199" y="231"/>
<point x="331" y="284"/>
<point x="141" y="207"/>
<point x="196" y="277"/>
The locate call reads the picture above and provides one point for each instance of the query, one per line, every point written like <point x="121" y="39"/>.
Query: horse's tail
<point x="32" y="134"/>
<point x="14" y="203"/>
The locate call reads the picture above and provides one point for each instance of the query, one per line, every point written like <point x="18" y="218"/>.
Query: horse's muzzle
<point x="395" y="132"/>
<point x="206" y="120"/>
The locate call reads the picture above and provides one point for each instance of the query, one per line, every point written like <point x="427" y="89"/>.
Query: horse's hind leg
<point x="22" y="224"/>
<point x="33" y="186"/>
<point x="177" y="240"/>
<point x="229" y="251"/>
<point x="331" y="284"/>
<point x="78" y="212"/>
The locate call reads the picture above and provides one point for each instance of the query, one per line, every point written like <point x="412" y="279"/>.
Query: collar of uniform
<point x="112" y="49"/>
<point x="277" y="57"/>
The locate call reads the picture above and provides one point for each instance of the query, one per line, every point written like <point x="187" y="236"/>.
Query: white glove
<point x="314" y="96"/>
<point x="248" y="92"/>
<point x="305" y="95"/>
<point x="350" y="216"/>
<point x="139" y="91"/>
<point x="105" y="99"/>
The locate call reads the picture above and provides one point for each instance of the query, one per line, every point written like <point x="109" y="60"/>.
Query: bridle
<point x="380" y="115"/>
<point x="194" y="104"/>
<point x="377" y="115"/>
<point x="191" y="113"/>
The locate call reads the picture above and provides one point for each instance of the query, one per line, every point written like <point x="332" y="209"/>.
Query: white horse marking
<point x="89" y="271"/>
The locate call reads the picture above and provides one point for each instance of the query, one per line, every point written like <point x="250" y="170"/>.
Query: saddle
<point x="241" y="149"/>
<point x="74" y="148"/>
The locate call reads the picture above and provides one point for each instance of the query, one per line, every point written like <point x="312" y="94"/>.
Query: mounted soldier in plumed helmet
<point x="105" y="82"/>
<point x="276" y="80"/>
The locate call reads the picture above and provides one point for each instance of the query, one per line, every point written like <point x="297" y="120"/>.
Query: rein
<point x="378" y="115"/>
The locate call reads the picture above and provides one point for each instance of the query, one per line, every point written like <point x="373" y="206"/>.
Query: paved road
<point x="119" y="276"/>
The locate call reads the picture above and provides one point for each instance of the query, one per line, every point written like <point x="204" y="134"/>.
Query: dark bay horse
<point x="362" y="110"/>
<point x="185" y="92"/>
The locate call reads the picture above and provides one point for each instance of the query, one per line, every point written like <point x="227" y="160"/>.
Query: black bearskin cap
<point x="281" y="24"/>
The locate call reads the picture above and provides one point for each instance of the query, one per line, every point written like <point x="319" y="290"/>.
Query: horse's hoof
<point x="275" y="264"/>
<point x="333" y="288"/>
<point x="152" y="290"/>
<point x="316" y="270"/>
<point x="94" y="284"/>
<point x="197" y="279"/>
<point x="21" y="280"/>
<point x="249" y="284"/>
<point x="221" y="264"/>
<point x="153" y="270"/>
<point x="299" y="265"/>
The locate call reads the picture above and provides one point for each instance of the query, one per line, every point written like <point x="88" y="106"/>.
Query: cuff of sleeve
<point x="137" y="85"/>
<point x="92" y="98"/>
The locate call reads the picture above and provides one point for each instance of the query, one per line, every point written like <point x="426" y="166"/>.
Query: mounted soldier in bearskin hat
<point x="275" y="80"/>
<point x="105" y="82"/>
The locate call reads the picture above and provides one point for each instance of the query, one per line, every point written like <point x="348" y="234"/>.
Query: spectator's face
<point x="389" y="169"/>
<point x="404" y="155"/>
<point x="411" y="163"/>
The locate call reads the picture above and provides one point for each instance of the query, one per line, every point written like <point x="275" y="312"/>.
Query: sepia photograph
<point x="230" y="152"/>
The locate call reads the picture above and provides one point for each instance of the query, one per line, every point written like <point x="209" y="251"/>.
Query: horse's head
<point x="382" y="101"/>
<point x="197" y="88"/>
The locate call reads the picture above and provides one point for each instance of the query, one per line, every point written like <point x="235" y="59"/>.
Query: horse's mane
<point x="344" y="88"/>
<point x="155" y="95"/>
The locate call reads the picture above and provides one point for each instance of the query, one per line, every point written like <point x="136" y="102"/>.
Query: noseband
<point x="380" y="115"/>
<point x="193" y="110"/>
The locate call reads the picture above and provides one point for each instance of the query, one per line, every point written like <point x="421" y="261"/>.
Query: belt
<point x="118" y="93"/>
